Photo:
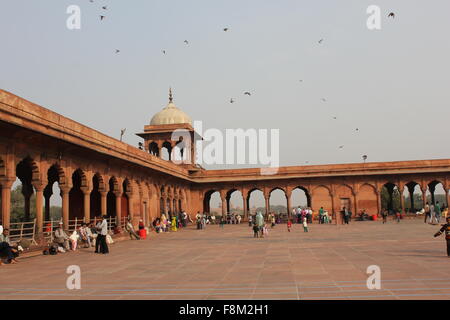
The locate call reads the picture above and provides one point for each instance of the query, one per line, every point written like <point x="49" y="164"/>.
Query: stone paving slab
<point x="329" y="262"/>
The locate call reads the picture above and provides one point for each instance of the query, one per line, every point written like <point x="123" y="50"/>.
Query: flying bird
<point x="300" y="80"/>
<point x="102" y="17"/>
<point x="391" y="15"/>
<point x="247" y="93"/>
<point x="104" y="7"/>
<point x="164" y="51"/>
<point x="185" y="41"/>
<point x="324" y="100"/>
<point x="225" y="29"/>
<point x="357" y="129"/>
<point x="117" y="50"/>
<point x="231" y="100"/>
<point x="321" y="40"/>
<point x="341" y="147"/>
<point x="334" y="118"/>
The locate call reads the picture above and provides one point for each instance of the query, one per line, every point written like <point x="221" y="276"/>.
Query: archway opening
<point x="52" y="194"/>
<point x="256" y="202"/>
<point x="153" y="149"/>
<point x="96" y="197"/>
<point x="277" y="202"/>
<point x="111" y="198"/>
<point x="235" y="202"/>
<point x="76" y="197"/>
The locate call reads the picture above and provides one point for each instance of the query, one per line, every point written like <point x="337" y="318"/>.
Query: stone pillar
<point x="267" y="199"/>
<point x="424" y="197"/>
<point x="27" y="191"/>
<point x="245" y="206"/>
<point x="402" y="201"/>
<point x="411" y="196"/>
<point x="171" y="205"/>
<point x="336" y="215"/>
<point x="379" y="203"/>
<point x="87" y="205"/>
<point x="118" y="207"/>
<point x="432" y="190"/>
<point x="39" y="209"/>
<point x="103" y="202"/>
<point x="165" y="206"/>
<point x="6" y="202"/>
<point x="47" y="195"/>
<point x="355" y="205"/>
<point x="224" y="204"/>
<point x="65" y="206"/>
<point x="130" y="204"/>
<point x="289" y="206"/>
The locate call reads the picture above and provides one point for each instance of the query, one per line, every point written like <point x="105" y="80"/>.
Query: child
<point x="305" y="225"/>
<point x="289" y="225"/>
<point x="265" y="230"/>
<point x="74" y="239"/>
<point x="255" y="231"/>
<point x="273" y="221"/>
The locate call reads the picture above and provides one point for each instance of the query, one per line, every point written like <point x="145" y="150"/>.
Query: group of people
<point x="300" y="213"/>
<point x="171" y="222"/>
<point x="434" y="212"/>
<point x="91" y="236"/>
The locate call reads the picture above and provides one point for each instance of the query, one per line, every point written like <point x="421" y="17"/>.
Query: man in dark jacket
<point x="445" y="229"/>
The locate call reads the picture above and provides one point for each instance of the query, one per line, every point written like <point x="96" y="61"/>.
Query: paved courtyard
<point x="329" y="262"/>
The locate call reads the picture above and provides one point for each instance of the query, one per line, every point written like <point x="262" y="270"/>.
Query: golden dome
<point x="170" y="115"/>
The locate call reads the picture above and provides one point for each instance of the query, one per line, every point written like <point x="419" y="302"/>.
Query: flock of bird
<point x="247" y="93"/>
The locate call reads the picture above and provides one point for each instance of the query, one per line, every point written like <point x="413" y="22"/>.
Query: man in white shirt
<point x="101" y="245"/>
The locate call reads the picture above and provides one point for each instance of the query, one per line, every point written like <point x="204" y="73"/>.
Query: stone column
<point x="27" y="191"/>
<point x="118" y="207"/>
<point x="267" y="199"/>
<point x="224" y="204"/>
<point x="379" y="203"/>
<point x="411" y="196"/>
<point x="424" y="197"/>
<point x="165" y="209"/>
<point x="288" y="203"/>
<point x="336" y="215"/>
<point x="355" y="205"/>
<point x="130" y="204"/>
<point x="47" y="195"/>
<point x="103" y="202"/>
<point x="245" y="207"/>
<point x="39" y="209"/>
<point x="87" y="205"/>
<point x="6" y="202"/>
<point x="402" y="201"/>
<point x="65" y="206"/>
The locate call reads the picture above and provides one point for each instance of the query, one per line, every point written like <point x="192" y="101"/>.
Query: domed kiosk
<point x="159" y="133"/>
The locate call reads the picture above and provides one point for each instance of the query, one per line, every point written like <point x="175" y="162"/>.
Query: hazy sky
<point x="392" y="84"/>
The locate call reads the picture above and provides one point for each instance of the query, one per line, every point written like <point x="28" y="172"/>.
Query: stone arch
<point x="27" y="172"/>
<point x="345" y="198"/>
<point x="279" y="209"/>
<point x="153" y="149"/>
<point x="249" y="196"/>
<point x="166" y="151"/>
<point x="415" y="202"/>
<point x="76" y="196"/>
<point x="233" y="193"/>
<point x="368" y="199"/>
<point x="321" y="197"/>
<point x="98" y="186"/>
<point x="113" y="189"/>
<point x="390" y="197"/>
<point x="306" y="193"/>
<point x="433" y="186"/>
<point x="55" y="174"/>
<point x="207" y="196"/>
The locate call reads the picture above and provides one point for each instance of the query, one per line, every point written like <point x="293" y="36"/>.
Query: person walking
<point x="250" y="222"/>
<point x="445" y="229"/>
<point x="427" y="212"/>
<point x="437" y="212"/>
<point x="101" y="238"/>
<point x="384" y="214"/>
<point x="321" y="211"/>
<point x="289" y="225"/>
<point x="432" y="214"/>
<point x="305" y="224"/>
<point x="260" y="223"/>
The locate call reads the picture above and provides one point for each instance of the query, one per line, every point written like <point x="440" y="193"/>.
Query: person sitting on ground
<point x="213" y="219"/>
<point x="85" y="235"/>
<point x="7" y="251"/>
<point x="61" y="238"/>
<point x="130" y="229"/>
<point x="74" y="239"/>
<point x="238" y="218"/>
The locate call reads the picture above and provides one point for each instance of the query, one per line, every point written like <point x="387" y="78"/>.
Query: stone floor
<point x="329" y="262"/>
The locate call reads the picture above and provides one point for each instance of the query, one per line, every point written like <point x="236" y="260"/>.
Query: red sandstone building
<point x="98" y="174"/>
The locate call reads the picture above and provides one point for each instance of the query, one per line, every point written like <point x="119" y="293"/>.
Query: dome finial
<point x="170" y="95"/>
